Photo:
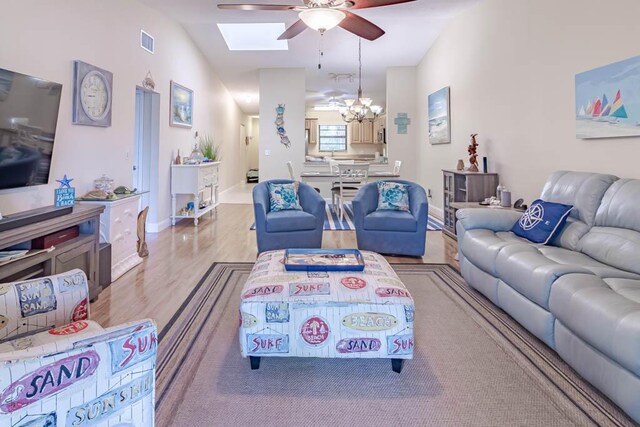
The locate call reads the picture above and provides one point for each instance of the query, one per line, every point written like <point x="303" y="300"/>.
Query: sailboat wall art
<point x="608" y="101"/>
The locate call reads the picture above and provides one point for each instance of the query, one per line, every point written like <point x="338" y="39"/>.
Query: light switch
<point x="267" y="152"/>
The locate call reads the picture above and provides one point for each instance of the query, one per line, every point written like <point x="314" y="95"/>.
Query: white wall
<point x="42" y="38"/>
<point x="511" y="66"/>
<point x="401" y="98"/>
<point x="281" y="86"/>
<point x="334" y="118"/>
<point x="254" y="143"/>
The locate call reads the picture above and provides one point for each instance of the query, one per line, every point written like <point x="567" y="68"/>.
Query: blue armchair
<point x="291" y="228"/>
<point x="388" y="231"/>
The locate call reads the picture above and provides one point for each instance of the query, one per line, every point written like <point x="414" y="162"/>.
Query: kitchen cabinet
<point x="367" y="131"/>
<point x="312" y="126"/>
<point x="355" y="130"/>
<point x="362" y="133"/>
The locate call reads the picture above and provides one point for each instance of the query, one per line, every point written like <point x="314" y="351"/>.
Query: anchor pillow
<point x="393" y="196"/>
<point x="284" y="197"/>
<point x="542" y="221"/>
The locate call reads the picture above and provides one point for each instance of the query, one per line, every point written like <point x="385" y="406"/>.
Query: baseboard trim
<point x="231" y="188"/>
<point x="156" y="227"/>
<point x="436" y="212"/>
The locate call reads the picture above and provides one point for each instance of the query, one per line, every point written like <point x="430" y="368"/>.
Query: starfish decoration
<point x="65" y="182"/>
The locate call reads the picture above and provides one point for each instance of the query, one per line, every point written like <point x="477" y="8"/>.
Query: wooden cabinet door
<point x="376" y="129"/>
<point x="313" y="131"/>
<point x="355" y="129"/>
<point x="367" y="131"/>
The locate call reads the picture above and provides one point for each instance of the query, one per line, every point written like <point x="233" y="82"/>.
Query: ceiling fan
<point x="322" y="15"/>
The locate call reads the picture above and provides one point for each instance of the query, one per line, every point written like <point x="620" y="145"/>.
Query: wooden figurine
<point x="178" y="159"/>
<point x="473" y="154"/>
<point x="143" y="250"/>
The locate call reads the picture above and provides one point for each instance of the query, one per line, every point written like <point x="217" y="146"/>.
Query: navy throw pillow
<point x="542" y="221"/>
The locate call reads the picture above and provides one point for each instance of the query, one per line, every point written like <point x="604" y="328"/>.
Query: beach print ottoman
<point x="366" y="314"/>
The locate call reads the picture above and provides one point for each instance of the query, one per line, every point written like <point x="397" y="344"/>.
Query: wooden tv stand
<point x="81" y="252"/>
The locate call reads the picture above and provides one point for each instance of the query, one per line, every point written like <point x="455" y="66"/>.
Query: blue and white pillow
<point x="393" y="196"/>
<point x="542" y="221"/>
<point x="284" y="197"/>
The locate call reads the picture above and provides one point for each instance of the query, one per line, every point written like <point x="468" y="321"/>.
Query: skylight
<point x="255" y="36"/>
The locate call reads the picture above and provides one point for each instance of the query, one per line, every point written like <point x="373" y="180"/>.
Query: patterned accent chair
<point x="59" y="368"/>
<point x="289" y="228"/>
<point x="388" y="231"/>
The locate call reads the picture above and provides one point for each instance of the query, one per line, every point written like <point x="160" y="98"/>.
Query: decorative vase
<point x="196" y="155"/>
<point x="460" y="166"/>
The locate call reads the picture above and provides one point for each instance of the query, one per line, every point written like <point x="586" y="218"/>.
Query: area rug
<point x="332" y="221"/>
<point x="473" y="366"/>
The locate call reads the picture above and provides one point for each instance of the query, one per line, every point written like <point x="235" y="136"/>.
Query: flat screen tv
<point x="28" y="117"/>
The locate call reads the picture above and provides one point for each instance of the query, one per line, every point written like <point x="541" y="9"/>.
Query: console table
<point x="81" y="252"/>
<point x="199" y="181"/>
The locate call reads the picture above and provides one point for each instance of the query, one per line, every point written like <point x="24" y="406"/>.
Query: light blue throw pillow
<point x="284" y="197"/>
<point x="393" y="196"/>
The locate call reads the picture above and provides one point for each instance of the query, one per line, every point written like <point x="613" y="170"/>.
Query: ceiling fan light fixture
<point x="322" y="19"/>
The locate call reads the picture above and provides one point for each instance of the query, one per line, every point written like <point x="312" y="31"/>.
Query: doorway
<point x="146" y="149"/>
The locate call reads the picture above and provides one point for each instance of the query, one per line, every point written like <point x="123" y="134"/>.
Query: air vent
<point x="146" y="41"/>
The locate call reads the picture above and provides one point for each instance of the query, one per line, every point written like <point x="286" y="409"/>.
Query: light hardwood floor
<point x="179" y="257"/>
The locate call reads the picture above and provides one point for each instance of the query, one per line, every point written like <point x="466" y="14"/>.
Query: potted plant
<point x="209" y="148"/>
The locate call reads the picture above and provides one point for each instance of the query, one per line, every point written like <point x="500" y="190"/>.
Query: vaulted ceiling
<point x="411" y="28"/>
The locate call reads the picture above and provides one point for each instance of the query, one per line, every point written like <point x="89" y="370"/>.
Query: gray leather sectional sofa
<point x="580" y="294"/>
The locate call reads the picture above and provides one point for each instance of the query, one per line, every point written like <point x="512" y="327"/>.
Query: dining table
<point x="332" y="177"/>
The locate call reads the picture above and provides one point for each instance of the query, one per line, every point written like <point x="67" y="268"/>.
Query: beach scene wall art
<point x="608" y="101"/>
<point x="181" y="106"/>
<point x="439" y="121"/>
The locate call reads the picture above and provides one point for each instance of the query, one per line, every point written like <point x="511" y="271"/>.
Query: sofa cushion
<point x="390" y="220"/>
<point x="482" y="246"/>
<point x="599" y="312"/>
<point x="290" y="220"/>
<point x="615" y="239"/>
<point x="527" y="270"/>
<point x="532" y="270"/>
<point x="582" y="190"/>
<point x="565" y="256"/>
<point x="542" y="221"/>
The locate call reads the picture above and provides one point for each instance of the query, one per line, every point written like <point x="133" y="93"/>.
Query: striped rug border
<point x="540" y="358"/>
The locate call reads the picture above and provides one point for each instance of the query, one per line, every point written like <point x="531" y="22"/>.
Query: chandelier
<point x="358" y="109"/>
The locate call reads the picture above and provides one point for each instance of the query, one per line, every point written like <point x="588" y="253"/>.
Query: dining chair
<point x="397" y="167"/>
<point x="290" y="167"/>
<point x="292" y="174"/>
<point x="351" y="177"/>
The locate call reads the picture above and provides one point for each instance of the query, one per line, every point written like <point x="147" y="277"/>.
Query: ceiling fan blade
<point x="361" y="27"/>
<point x="258" y="6"/>
<point x="365" y="4"/>
<point x="293" y="30"/>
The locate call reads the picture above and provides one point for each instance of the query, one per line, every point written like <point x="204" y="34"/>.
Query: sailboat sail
<point x="617" y="109"/>
<point x="589" y="108"/>
<point x="606" y="110"/>
<point x="597" y="108"/>
<point x="582" y="113"/>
